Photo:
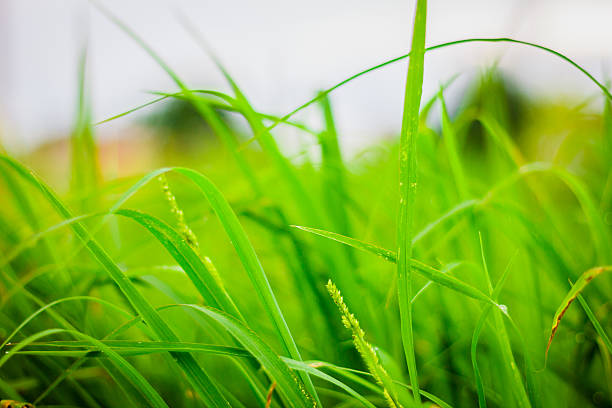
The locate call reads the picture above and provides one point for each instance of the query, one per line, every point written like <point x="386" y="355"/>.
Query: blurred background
<point x="281" y="53"/>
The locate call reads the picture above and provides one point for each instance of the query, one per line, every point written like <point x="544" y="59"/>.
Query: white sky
<point x="281" y="53"/>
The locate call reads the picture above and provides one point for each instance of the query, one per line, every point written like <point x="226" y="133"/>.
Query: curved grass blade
<point x="128" y="371"/>
<point x="131" y="348"/>
<point x="386" y="254"/>
<point x="310" y="369"/>
<point x="48" y="306"/>
<point x="288" y="383"/>
<point x="327" y="91"/>
<point x="578" y="287"/>
<point x="196" y="376"/>
<point x="123" y="347"/>
<point x="338" y="264"/>
<point x="188" y="259"/>
<point x="163" y="97"/>
<point x="459" y="209"/>
<point x="448" y="268"/>
<point x="247" y="256"/>
<point x="241" y="244"/>
<point x="233" y="105"/>
<point x="204" y="109"/>
<point x="350" y="374"/>
<point x="421" y="268"/>
<point x="302" y="199"/>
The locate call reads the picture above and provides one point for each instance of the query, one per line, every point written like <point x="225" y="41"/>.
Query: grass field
<point x="463" y="263"/>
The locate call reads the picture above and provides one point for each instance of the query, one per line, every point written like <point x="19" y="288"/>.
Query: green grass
<point x="204" y="281"/>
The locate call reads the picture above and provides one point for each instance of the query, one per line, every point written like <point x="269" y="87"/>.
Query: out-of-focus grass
<point x="187" y="288"/>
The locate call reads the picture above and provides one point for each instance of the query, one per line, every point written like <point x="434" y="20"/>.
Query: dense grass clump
<point x="233" y="275"/>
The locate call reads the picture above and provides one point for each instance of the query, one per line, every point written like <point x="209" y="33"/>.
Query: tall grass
<point x="206" y="285"/>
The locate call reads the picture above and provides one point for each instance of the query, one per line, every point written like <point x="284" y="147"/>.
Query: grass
<point x="218" y="282"/>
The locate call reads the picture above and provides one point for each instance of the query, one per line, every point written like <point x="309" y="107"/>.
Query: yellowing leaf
<point x="580" y="284"/>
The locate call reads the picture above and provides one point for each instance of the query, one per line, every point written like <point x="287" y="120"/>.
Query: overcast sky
<point x="281" y="53"/>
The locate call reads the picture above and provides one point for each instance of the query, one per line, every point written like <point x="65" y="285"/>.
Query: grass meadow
<point x="462" y="262"/>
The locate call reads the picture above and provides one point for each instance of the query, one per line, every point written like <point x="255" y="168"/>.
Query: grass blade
<point x="408" y="189"/>
<point x="600" y="85"/>
<point x="126" y="347"/>
<point x="289" y="384"/>
<point x="138" y="382"/>
<point x="192" y="264"/>
<point x="196" y="376"/>
<point x="241" y="244"/>
<point x="421" y="268"/>
<point x="577" y="287"/>
<point x="598" y="328"/>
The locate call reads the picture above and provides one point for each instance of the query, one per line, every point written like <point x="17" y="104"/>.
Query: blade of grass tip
<point x="163" y="96"/>
<point x="601" y="86"/>
<point x="426" y="109"/>
<point x="482" y="401"/>
<point x="460" y="209"/>
<point x="85" y="167"/>
<point x="386" y="254"/>
<point x="408" y="189"/>
<point x="230" y="106"/>
<point x="332" y="167"/>
<point x="336" y="197"/>
<point x="132" y="110"/>
<point x="201" y="382"/>
<point x="448" y="268"/>
<point x="578" y="287"/>
<point x="421" y="268"/>
<point x="452" y="151"/>
<point x="209" y="115"/>
<point x="518" y="388"/>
